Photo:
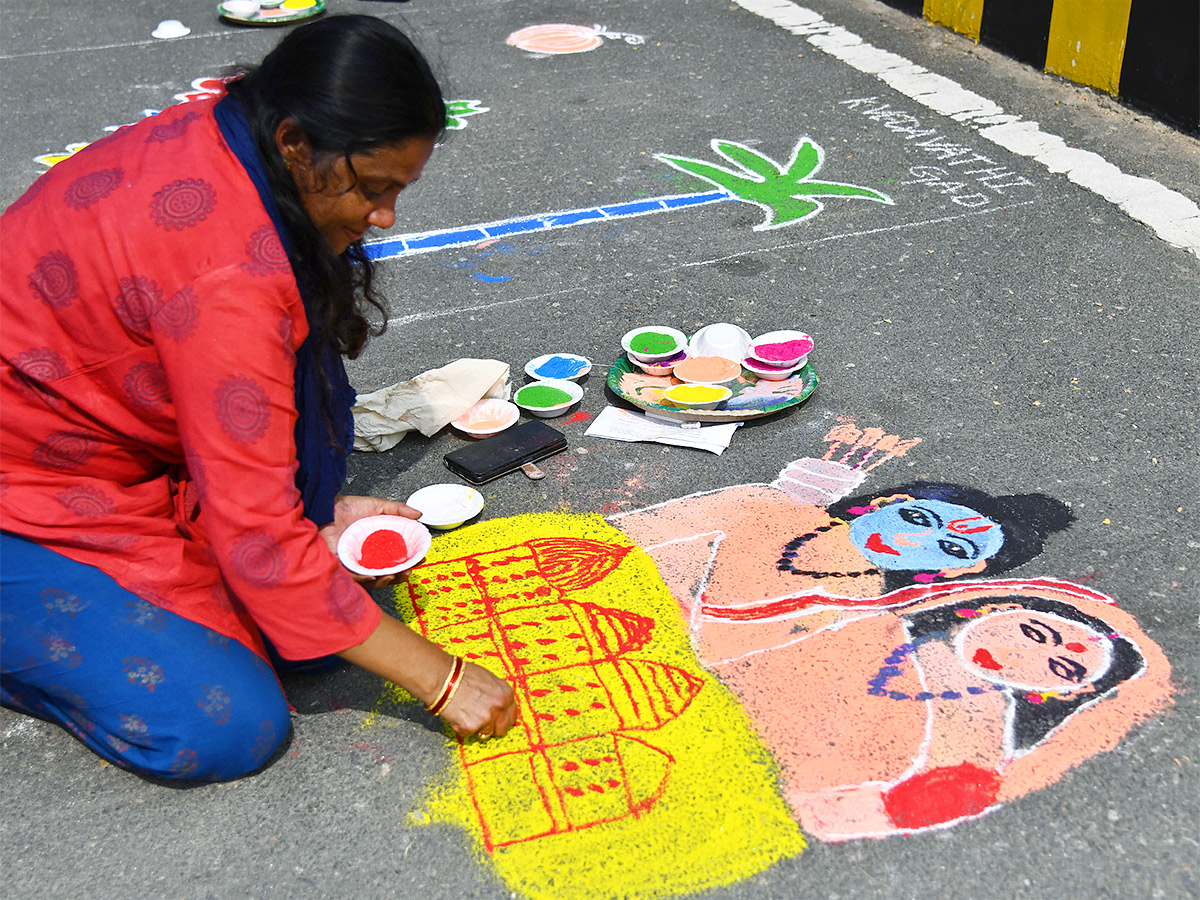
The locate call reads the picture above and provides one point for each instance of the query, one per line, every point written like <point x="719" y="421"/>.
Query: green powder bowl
<point x="651" y="342"/>
<point x="548" y="398"/>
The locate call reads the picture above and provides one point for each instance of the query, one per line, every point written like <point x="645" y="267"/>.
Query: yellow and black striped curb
<point x="1146" y="52"/>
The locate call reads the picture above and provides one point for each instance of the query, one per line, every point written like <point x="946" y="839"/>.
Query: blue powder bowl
<point x="558" y="367"/>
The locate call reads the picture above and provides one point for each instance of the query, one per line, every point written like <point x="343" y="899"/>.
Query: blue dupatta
<point x="322" y="464"/>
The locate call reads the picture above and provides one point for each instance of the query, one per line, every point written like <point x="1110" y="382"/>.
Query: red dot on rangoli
<point x="942" y="795"/>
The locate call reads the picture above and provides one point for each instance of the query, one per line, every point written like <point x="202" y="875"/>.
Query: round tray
<point x="752" y="398"/>
<point x="281" y="19"/>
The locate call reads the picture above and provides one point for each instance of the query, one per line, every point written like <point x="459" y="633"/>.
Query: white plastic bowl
<point x="243" y="9"/>
<point x="417" y="540"/>
<point x="574" y="391"/>
<point x="582" y="364"/>
<point x="446" y="506"/>
<point x="677" y="396"/>
<point x="487" y="417"/>
<point x="720" y="339"/>
<point x="769" y="373"/>
<point x="679" y="337"/>
<point x="170" y="28"/>
<point x="780" y="337"/>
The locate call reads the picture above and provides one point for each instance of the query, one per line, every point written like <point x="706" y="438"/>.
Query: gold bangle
<point x="453" y="680"/>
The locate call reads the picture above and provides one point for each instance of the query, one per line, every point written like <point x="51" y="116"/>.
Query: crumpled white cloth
<point x="427" y="403"/>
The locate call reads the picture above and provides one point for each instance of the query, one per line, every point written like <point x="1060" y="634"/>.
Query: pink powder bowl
<point x="783" y="349"/>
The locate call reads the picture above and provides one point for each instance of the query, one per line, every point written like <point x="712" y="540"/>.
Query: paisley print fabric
<point x="143" y="687"/>
<point x="151" y="322"/>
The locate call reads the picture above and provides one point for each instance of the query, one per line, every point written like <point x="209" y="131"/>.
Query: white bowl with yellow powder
<point x="697" y="396"/>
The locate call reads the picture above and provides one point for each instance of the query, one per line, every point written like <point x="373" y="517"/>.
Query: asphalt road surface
<point x="1028" y="312"/>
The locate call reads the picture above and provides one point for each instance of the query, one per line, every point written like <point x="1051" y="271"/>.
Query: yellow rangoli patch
<point x="632" y="773"/>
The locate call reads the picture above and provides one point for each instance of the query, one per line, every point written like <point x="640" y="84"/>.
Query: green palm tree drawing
<point x="786" y="193"/>
<point x="458" y="110"/>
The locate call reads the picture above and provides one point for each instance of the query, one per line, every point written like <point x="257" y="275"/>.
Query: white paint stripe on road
<point x="1172" y="216"/>
<point x="711" y="261"/>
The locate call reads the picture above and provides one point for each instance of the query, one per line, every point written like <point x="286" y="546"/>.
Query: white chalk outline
<point x="1172" y="216"/>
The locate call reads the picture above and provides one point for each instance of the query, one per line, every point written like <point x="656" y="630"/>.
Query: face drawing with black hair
<point x="1034" y="651"/>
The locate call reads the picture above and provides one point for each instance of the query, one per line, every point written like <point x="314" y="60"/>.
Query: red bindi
<point x="1075" y="647"/>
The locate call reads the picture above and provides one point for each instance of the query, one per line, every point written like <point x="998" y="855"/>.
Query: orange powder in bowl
<point x="486" y="424"/>
<point x="707" y="369"/>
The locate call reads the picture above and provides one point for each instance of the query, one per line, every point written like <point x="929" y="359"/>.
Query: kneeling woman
<point x="177" y="299"/>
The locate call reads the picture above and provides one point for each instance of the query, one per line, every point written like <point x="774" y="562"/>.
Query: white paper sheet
<point x="625" y="425"/>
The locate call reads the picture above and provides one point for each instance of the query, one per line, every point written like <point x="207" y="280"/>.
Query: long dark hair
<point x="352" y="84"/>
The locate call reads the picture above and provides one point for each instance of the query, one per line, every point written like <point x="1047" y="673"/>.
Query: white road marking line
<point x="592" y="285"/>
<point x="1172" y="216"/>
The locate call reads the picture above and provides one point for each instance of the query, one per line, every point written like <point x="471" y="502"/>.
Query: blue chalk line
<point x="428" y="241"/>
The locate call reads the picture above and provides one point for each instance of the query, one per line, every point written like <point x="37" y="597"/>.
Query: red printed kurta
<point x="147" y="406"/>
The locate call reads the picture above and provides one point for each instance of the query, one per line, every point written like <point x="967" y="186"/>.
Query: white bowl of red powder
<point x="783" y="349"/>
<point x="383" y="545"/>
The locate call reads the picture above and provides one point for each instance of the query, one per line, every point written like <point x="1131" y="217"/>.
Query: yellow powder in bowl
<point x="695" y="393"/>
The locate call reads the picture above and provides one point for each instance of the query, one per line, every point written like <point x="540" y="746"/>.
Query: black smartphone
<point x="505" y="452"/>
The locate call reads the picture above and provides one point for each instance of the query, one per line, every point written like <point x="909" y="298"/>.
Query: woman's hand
<point x="347" y="510"/>
<point x="483" y="706"/>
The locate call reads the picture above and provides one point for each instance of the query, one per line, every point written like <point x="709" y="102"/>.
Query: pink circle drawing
<point x="83" y="192"/>
<point x="53" y="280"/>
<point x="243" y="409"/>
<point x="86" y="501"/>
<point x="183" y="204"/>
<point x="557" y="38"/>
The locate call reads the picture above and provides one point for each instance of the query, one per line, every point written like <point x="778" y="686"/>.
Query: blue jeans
<point x="146" y="689"/>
